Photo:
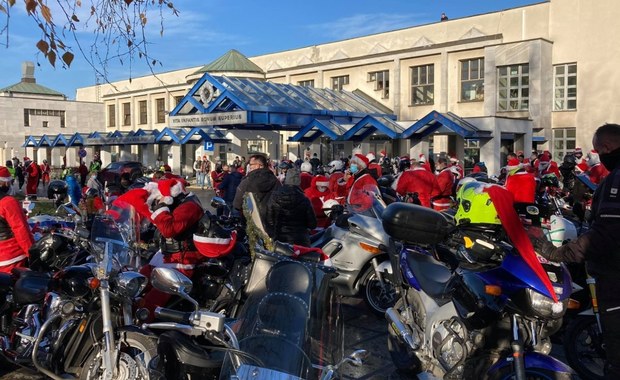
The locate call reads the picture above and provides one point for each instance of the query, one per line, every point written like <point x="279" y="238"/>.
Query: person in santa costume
<point x="418" y="180"/>
<point x="373" y="167"/>
<point x="337" y="184"/>
<point x="15" y="236"/>
<point x="582" y="164"/>
<point x="445" y="180"/>
<point x="456" y="167"/>
<point x="358" y="178"/>
<point x="597" y="172"/>
<point x="319" y="193"/>
<point x="33" y="173"/>
<point x="424" y="163"/>
<point x="547" y="166"/>
<point x="520" y="183"/>
<point x="176" y="216"/>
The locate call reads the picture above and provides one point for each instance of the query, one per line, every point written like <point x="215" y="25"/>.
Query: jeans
<point x="200" y="179"/>
<point x="208" y="178"/>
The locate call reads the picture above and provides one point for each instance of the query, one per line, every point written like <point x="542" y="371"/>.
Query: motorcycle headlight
<point x="544" y="306"/>
<point x="130" y="284"/>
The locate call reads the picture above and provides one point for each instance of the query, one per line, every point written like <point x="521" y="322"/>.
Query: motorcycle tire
<point x="377" y="298"/>
<point x="403" y="357"/>
<point x="507" y="373"/>
<point x="136" y="351"/>
<point x="583" y="347"/>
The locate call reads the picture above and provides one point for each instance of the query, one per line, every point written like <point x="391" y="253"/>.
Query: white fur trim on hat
<point x="325" y="184"/>
<point x="156" y="213"/>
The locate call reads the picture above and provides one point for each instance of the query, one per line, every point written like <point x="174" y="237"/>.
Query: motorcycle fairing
<point x="533" y="360"/>
<point x="365" y="225"/>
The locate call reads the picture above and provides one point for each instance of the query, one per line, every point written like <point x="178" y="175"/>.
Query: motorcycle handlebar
<point x="173" y="315"/>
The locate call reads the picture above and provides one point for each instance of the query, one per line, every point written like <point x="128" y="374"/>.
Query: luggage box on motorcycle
<point x="414" y="224"/>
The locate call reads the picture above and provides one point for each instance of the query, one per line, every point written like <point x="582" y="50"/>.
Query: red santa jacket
<point x="582" y="165"/>
<point x="306" y="180"/>
<point x="376" y="168"/>
<point x="317" y="199"/>
<point x="421" y="181"/>
<point x="522" y="185"/>
<point x="337" y="185"/>
<point x="445" y="180"/>
<point x="355" y="194"/>
<point x="597" y="173"/>
<point x="15" y="248"/>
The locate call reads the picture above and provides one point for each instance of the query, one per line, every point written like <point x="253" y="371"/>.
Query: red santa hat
<point x="170" y="189"/>
<point x="214" y="247"/>
<point x="382" y="153"/>
<point x="578" y="150"/>
<point x="421" y="158"/>
<point x="360" y="160"/>
<point x="513" y="164"/>
<point x="454" y="160"/>
<point x="321" y="180"/>
<point x="545" y="157"/>
<point x="167" y="168"/>
<point x="5" y="175"/>
<point x="26" y="158"/>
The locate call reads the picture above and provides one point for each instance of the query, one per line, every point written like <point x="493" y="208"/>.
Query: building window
<point x="382" y="82"/>
<point x="222" y="153"/>
<point x="177" y="100"/>
<point x="126" y="114"/>
<point x="339" y="82"/>
<point x="564" y="142"/>
<point x="472" y="80"/>
<point x="62" y="119"/>
<point x="111" y="115"/>
<point x="257" y="146"/>
<point x="513" y="88"/>
<point x="142" y="108"/>
<point x="26" y="117"/>
<point x="422" y="84"/>
<point x="160" y="104"/>
<point x="306" y="83"/>
<point x="45" y="124"/>
<point x="565" y="87"/>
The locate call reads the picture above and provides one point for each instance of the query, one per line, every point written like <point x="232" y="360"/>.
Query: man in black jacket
<point x="600" y="246"/>
<point x="259" y="181"/>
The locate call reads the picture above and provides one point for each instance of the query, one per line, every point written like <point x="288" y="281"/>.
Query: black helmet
<point x="56" y="187"/>
<point x="404" y="164"/>
<point x="569" y="159"/>
<point x="52" y="252"/>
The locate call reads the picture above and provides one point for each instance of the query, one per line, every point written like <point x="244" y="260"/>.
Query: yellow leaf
<point x="43" y="46"/>
<point x="67" y="58"/>
<point x="78" y="3"/>
<point x="51" y="56"/>
<point x="46" y="13"/>
<point x="11" y="3"/>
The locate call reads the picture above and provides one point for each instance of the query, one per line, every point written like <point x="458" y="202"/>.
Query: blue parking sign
<point x="209" y="146"/>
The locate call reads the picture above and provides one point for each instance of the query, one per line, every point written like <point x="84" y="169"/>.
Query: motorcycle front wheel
<point x="378" y="296"/>
<point x="136" y="351"/>
<point x="583" y="345"/>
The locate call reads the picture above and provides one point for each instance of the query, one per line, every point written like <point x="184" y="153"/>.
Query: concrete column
<point x="523" y="142"/>
<point x="174" y="157"/>
<point x="319" y="81"/>
<point x="73" y="159"/>
<point x="490" y="152"/>
<point x="417" y="147"/>
<point x="29" y="153"/>
<point x="440" y="144"/>
<point x="57" y="154"/>
<point x="459" y="148"/>
<point x="443" y="95"/>
<point x="40" y="155"/>
<point x="125" y="153"/>
<point x="148" y="155"/>
<point x="105" y="155"/>
<point x="395" y="88"/>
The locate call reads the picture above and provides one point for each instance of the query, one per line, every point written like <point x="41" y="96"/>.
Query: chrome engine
<point x="450" y="345"/>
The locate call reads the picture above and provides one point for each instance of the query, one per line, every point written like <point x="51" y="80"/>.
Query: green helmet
<point x="475" y="206"/>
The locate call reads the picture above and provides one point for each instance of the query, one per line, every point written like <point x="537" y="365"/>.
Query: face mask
<point x="322" y="189"/>
<point x="610" y="160"/>
<point x="353" y="169"/>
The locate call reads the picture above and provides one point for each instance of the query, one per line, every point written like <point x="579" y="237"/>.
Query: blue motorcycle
<point x="470" y="306"/>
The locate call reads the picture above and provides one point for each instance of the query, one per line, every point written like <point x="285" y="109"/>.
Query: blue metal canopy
<point x="199" y="135"/>
<point x="316" y="128"/>
<point x="268" y="105"/>
<point x="443" y="122"/>
<point x="369" y="125"/>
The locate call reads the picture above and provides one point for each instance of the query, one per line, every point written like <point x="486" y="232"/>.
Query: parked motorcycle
<point x="470" y="306"/>
<point x="356" y="243"/>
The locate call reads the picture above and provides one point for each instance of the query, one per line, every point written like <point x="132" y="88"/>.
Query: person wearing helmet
<point x="567" y="169"/>
<point x="337" y="184"/>
<point x="306" y="175"/>
<point x="357" y="178"/>
<point x="283" y="166"/>
<point x="319" y="193"/>
<point x="599" y="247"/>
<point x="74" y="190"/>
<point x="315" y="162"/>
<point x="418" y="180"/>
<point x="15" y="236"/>
<point x="547" y="167"/>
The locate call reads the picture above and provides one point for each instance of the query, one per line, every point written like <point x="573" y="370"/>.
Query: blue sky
<point x="206" y="29"/>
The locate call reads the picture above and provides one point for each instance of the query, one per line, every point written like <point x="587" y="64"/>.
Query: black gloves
<point x="542" y="246"/>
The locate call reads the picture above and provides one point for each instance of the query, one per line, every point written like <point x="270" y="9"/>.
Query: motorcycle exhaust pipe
<point x="412" y="340"/>
<point x="35" y="350"/>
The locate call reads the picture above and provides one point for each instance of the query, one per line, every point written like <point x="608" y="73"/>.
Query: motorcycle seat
<point x="31" y="287"/>
<point x="188" y="352"/>
<point x="432" y="275"/>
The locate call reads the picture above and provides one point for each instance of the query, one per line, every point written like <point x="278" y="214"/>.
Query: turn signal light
<point x="93" y="283"/>
<point x="573" y="304"/>
<point x="493" y="290"/>
<point x="370" y="248"/>
<point x="82" y="326"/>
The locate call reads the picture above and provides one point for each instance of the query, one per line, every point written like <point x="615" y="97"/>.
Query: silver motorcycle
<point x="356" y="244"/>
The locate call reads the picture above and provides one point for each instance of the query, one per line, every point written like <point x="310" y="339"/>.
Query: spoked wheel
<point x="377" y="295"/>
<point x="136" y="351"/>
<point x="584" y="349"/>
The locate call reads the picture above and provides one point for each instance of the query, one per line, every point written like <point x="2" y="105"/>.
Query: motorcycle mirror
<point x="170" y="281"/>
<point x="217" y="202"/>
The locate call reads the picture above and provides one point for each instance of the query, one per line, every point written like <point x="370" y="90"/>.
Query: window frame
<point x="422" y="77"/>
<point x="477" y="84"/>
<point x="568" y="142"/>
<point x="142" y="112"/>
<point x="160" y="107"/>
<point x="111" y="115"/>
<point x="306" y="83"/>
<point x="522" y="101"/>
<point x="561" y="97"/>
<point x="126" y="114"/>
<point x="338" y="82"/>
<point x="381" y="79"/>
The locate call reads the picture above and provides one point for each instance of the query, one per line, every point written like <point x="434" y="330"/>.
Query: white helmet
<point x="306" y="167"/>
<point x="335" y="165"/>
<point x="328" y="204"/>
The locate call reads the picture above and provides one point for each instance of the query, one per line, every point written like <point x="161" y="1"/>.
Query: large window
<point x="565" y="87"/>
<point x="472" y="80"/>
<point x="513" y="88"/>
<point x="160" y="104"/>
<point x="306" y="83"/>
<point x="143" y="113"/>
<point x="126" y="114"/>
<point x="339" y="82"/>
<point x="563" y="142"/>
<point x="422" y="84"/>
<point x="28" y="112"/>
<point x="257" y="146"/>
<point x="111" y="115"/>
<point x="382" y="82"/>
<point x="177" y="100"/>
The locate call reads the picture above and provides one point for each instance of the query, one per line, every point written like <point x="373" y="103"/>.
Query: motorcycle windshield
<point x="113" y="234"/>
<point x="366" y="200"/>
